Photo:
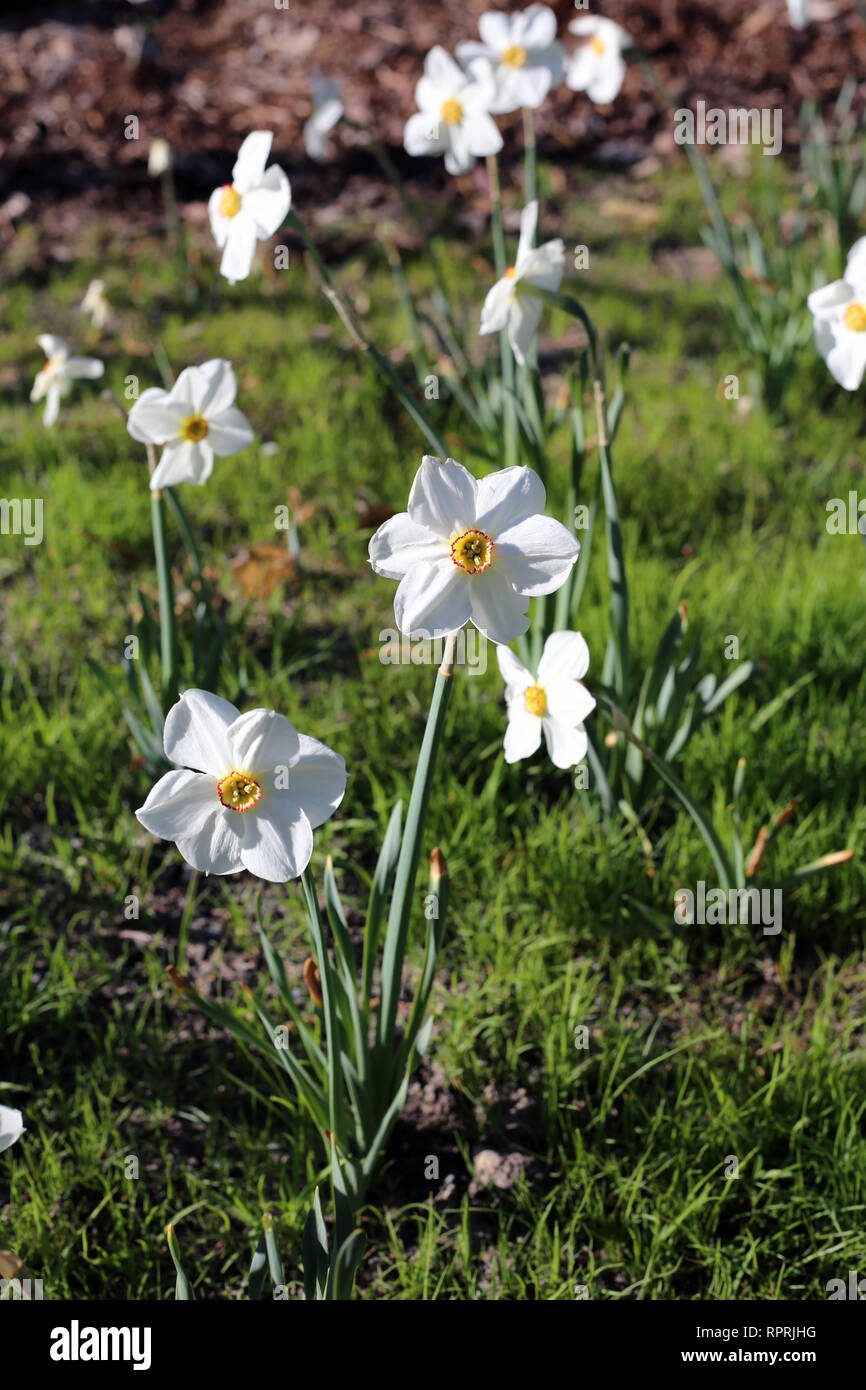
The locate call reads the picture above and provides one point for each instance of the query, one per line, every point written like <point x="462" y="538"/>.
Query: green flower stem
<point x="407" y="865"/>
<point x="501" y="262"/>
<point x="336" y="1097"/>
<point x="361" y="341"/>
<point x="167" y="623"/>
<point x="530" y="166"/>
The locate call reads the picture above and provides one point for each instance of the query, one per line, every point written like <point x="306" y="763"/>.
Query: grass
<point x="703" y="1044"/>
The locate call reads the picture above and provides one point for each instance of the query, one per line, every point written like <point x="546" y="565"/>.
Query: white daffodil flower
<point x="95" y="305"/>
<point x="554" y="702"/>
<point x="453" y="116"/>
<point x="55" y="378"/>
<point x="194" y="421"/>
<point x="250" y="208"/>
<point x="505" y="305"/>
<point x="158" y="158"/>
<point x="11" y="1126"/>
<point x="471" y="549"/>
<point x="598" y="67"/>
<point x="327" y="111"/>
<point x="525" y="56"/>
<point x="839" y="313"/>
<point x="255" y="794"/>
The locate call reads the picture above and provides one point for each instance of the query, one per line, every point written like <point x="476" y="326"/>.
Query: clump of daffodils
<point x="54" y="379"/>
<point x="839" y="313"/>
<point x="454" y="113"/>
<point x="250" y="208"/>
<point x="247" y="793"/>
<point x="554" y="703"/>
<point x="194" y="421"/>
<point x="472" y="549"/>
<point x="524" y="57"/>
<point x="507" y="304"/>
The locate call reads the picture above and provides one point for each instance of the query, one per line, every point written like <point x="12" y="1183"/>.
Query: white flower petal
<point x="847" y="358"/>
<point x="229" y="432"/>
<point x="523" y="319"/>
<point x="423" y="135"/>
<point x="528" y="224"/>
<point x="523" y="735"/>
<point x="278" y="842"/>
<point x="219" y="225"/>
<point x="252" y="158"/>
<point x="261" y="741"/>
<point x="240" y="248"/>
<point x="538" y="553"/>
<point x="11" y="1126"/>
<point x="506" y="497"/>
<point x="829" y="299"/>
<point x="317" y="780"/>
<point x="497" y="610"/>
<point x="401" y="543"/>
<point x="84" y="368"/>
<point x="441" y="70"/>
<point x="495" y="29"/>
<point x="494" y="314"/>
<point x="568" y="701"/>
<point x="432" y="600"/>
<point x="155" y="418"/>
<point x="216" y="846"/>
<point x="565" y="745"/>
<point x="482" y="134"/>
<point x="211" y="388"/>
<point x="513" y="671"/>
<point x="180" y="804"/>
<point x="442" y="498"/>
<point x="196" y="732"/>
<point x="53" y="346"/>
<point x="565" y="657"/>
<point x="52" y="405"/>
<point x="534" y="27"/>
<point x="183" y="461"/>
<point x="855" y="266"/>
<point x="268" y="204"/>
<point x="609" y="77"/>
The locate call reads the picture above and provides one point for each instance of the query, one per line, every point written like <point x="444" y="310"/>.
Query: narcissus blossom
<point x="798" y="13"/>
<point x="507" y="304"/>
<point x="525" y="56"/>
<point x="839" y="312"/>
<point x="598" y="67"/>
<point x="95" y="305"/>
<point x="327" y="111"/>
<point x="195" y="420"/>
<point x="11" y="1126"/>
<point x="554" y="702"/>
<point x="55" y="378"/>
<point x="453" y="117"/>
<point x="471" y="550"/>
<point x="250" y="208"/>
<point x="249" y="792"/>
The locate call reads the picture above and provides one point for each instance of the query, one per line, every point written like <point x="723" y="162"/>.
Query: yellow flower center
<point x="230" y="202"/>
<point x="510" y="272"/>
<point x="597" y="45"/>
<point x="535" y="700"/>
<point x="472" y="552"/>
<point x="194" y="428"/>
<point x="855" y="317"/>
<point x="515" y="56"/>
<point x="452" y="111"/>
<point x="238" y="792"/>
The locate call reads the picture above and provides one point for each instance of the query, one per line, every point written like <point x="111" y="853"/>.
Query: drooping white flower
<point x="598" y="67"/>
<point x="55" y="378"/>
<point x="554" y="702"/>
<point x="454" y="113"/>
<point x="95" y="305"/>
<point x="195" y="420"/>
<point x="507" y="304"/>
<point x="327" y="111"/>
<point x="525" y="56"/>
<point x="158" y="158"/>
<point x="839" y="313"/>
<point x="249" y="791"/>
<point x="250" y="208"/>
<point x="11" y="1126"/>
<point x="471" y="549"/>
